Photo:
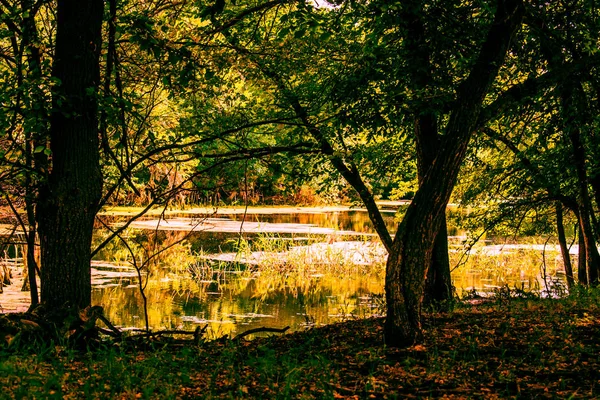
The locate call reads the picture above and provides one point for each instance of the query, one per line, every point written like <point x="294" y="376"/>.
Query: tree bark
<point x="438" y="284"/>
<point x="412" y="248"/>
<point x="68" y="202"/>
<point x="564" y="249"/>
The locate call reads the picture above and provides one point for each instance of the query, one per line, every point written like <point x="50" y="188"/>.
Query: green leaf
<point x="324" y="36"/>
<point x="283" y="33"/>
<point x="299" y="33"/>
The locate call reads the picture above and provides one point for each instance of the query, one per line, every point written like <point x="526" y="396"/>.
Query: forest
<point x="487" y="109"/>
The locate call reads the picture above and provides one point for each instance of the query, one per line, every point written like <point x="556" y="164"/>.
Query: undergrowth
<point x="517" y="347"/>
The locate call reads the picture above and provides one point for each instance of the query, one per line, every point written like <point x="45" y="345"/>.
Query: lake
<point x="275" y="267"/>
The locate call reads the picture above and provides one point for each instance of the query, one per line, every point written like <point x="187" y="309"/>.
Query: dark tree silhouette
<point x="68" y="201"/>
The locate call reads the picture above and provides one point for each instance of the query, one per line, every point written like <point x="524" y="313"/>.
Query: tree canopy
<point x="158" y="102"/>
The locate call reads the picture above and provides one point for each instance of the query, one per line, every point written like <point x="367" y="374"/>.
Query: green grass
<point x="514" y="348"/>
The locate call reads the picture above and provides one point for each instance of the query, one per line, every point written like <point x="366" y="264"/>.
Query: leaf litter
<point x="514" y="349"/>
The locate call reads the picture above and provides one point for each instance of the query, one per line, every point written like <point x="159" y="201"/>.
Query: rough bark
<point x="564" y="249"/>
<point x="68" y="201"/>
<point x="438" y="284"/>
<point x="413" y="245"/>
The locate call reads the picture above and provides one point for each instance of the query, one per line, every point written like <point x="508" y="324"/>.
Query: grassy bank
<point x="505" y="349"/>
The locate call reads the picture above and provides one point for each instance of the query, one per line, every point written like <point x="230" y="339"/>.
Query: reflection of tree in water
<point x="317" y="286"/>
<point x="234" y="296"/>
<point x="162" y="249"/>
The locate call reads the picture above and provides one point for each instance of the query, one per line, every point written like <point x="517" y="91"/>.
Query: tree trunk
<point x="564" y="249"/>
<point x="36" y="135"/>
<point x="438" y="284"/>
<point x="595" y="183"/>
<point x="412" y="249"/>
<point x="581" y="261"/>
<point x="68" y="202"/>
<point x="592" y="258"/>
<point x="570" y="100"/>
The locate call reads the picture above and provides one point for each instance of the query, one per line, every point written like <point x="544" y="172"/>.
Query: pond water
<point x="273" y="267"/>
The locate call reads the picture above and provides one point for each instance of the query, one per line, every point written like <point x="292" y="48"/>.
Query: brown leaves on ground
<point x="531" y="349"/>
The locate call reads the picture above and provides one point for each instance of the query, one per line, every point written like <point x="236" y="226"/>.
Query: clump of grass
<point x="281" y="266"/>
<point x="530" y="267"/>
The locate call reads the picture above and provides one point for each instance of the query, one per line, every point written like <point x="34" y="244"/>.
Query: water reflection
<point x="280" y="279"/>
<point x="235" y="302"/>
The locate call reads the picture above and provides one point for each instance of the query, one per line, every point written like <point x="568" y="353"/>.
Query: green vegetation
<point x="503" y="348"/>
<point x="490" y="104"/>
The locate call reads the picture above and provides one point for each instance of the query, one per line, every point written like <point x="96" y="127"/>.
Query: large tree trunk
<point x="68" y="202"/>
<point x="438" y="284"/>
<point x="412" y="249"/>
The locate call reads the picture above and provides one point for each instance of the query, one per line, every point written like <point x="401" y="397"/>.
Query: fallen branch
<point x="195" y="332"/>
<point x="263" y="329"/>
<point x="109" y="332"/>
<point x="114" y="331"/>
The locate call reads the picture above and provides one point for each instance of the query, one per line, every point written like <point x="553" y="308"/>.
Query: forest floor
<point x="502" y="349"/>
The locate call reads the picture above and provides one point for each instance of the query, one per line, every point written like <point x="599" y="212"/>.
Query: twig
<point x="263" y="329"/>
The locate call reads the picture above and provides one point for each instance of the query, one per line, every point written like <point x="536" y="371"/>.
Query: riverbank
<point x="505" y="349"/>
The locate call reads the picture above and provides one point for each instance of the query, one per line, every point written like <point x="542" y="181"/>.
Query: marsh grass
<point x="315" y="277"/>
<point x="313" y="267"/>
<point x="535" y="266"/>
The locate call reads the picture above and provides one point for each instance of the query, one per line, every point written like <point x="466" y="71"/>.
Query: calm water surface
<point x="296" y="279"/>
<point x="292" y="269"/>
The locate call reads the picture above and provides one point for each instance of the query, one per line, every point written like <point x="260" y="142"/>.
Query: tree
<point x="575" y="122"/>
<point x="68" y="201"/>
<point x="303" y="84"/>
<point x="410" y="258"/>
<point x="540" y="152"/>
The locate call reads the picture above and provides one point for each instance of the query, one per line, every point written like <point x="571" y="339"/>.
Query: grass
<point x="515" y="264"/>
<point x="313" y="279"/>
<point x="501" y="349"/>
